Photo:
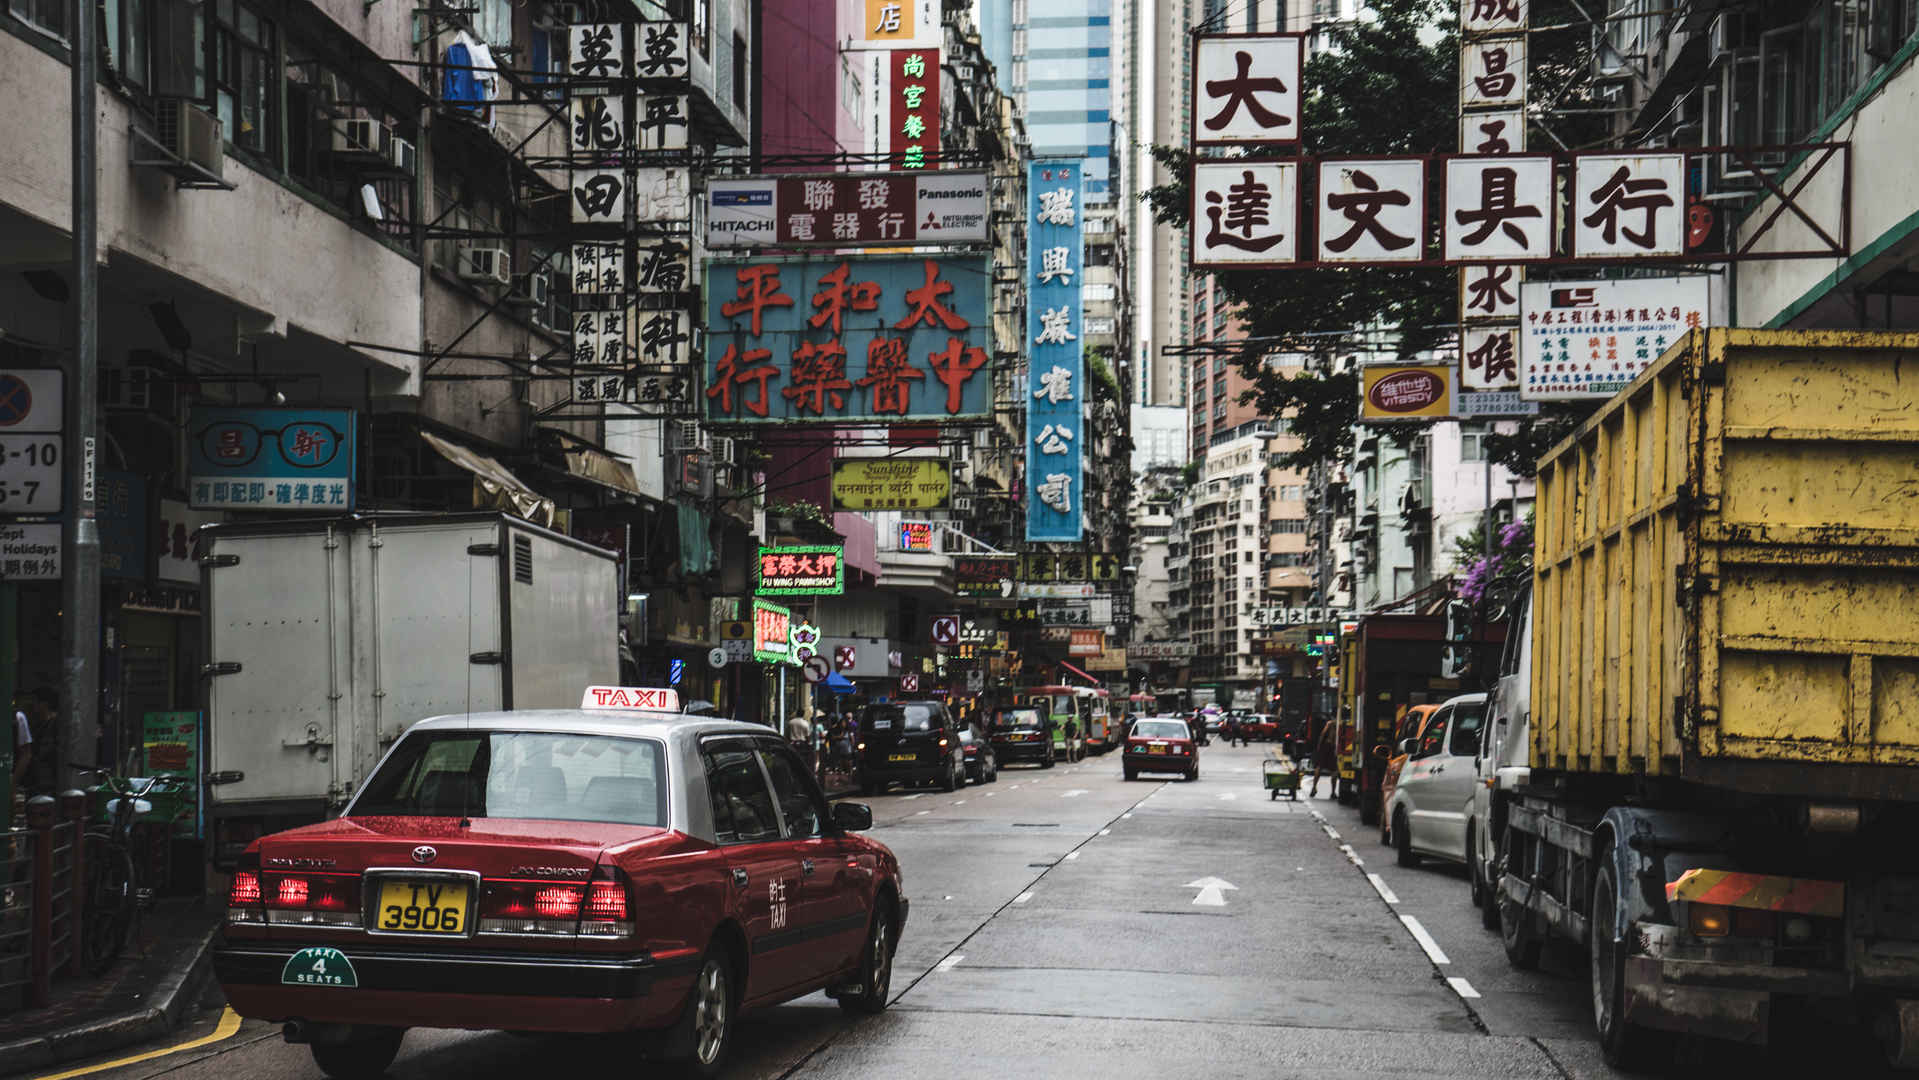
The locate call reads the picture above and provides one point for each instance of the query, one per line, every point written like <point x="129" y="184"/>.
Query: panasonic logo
<point x="952" y="193"/>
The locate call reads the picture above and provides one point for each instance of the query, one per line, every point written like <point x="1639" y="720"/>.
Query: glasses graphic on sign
<point x="308" y="444"/>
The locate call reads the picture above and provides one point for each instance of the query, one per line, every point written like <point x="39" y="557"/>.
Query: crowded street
<point x="1054" y="935"/>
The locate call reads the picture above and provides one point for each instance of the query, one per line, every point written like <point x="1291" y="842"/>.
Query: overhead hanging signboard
<point x="1391" y="392"/>
<point x="1246" y="88"/>
<point x="271" y="459"/>
<point x="891" y="24"/>
<point x="801" y="570"/>
<point x="1583" y="339"/>
<point x="891" y="484"/>
<point x="847" y="340"/>
<point x="846" y="210"/>
<point x="985" y="575"/>
<point x="1055" y="394"/>
<point x="914" y="95"/>
<point x="772" y="633"/>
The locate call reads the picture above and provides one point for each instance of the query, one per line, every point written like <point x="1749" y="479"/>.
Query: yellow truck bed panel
<point x="1727" y="562"/>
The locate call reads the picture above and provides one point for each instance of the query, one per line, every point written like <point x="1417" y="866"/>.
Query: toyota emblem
<point x="425" y="854"/>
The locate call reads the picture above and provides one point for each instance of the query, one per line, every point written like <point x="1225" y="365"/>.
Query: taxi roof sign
<point x="655" y="698"/>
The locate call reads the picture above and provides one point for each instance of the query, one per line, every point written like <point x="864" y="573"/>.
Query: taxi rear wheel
<point x="701" y="1038"/>
<point x="876" y="966"/>
<point x="362" y="1057"/>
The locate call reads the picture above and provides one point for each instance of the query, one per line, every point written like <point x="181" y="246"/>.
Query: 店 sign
<point x="271" y="459"/>
<point x="1405" y="392"/>
<point x="1591" y="338"/>
<point x="1246" y="88"/>
<point x="832" y="340"/>
<point x="1055" y="393"/>
<point x="801" y="570"/>
<point x="891" y="484"/>
<point x="891" y="24"/>
<point x="846" y="209"/>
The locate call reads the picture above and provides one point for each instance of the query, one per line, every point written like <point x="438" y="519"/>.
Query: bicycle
<point x="114" y="894"/>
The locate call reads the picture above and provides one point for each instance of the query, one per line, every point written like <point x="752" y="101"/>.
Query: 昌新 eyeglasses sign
<point x="271" y="459"/>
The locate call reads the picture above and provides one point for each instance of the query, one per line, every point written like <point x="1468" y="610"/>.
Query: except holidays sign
<point x="1055" y="394"/>
<point x="1591" y="338"/>
<point x="836" y="340"/>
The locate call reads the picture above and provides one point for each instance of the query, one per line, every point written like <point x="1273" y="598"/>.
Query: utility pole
<point x="81" y="626"/>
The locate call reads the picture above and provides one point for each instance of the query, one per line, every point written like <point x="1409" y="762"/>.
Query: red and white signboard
<point x="845" y="657"/>
<point x="1245" y="213"/>
<point x="1372" y="211"/>
<point x="1492" y="16"/>
<point x="1246" y="88"/>
<point x="1499" y="209"/>
<point x="1492" y="73"/>
<point x="654" y="698"/>
<point x="1629" y="204"/>
<point x="946" y="629"/>
<point x="1489" y="358"/>
<point x="909" y="684"/>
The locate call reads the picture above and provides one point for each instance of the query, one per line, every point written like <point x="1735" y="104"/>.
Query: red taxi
<point x="1160" y="745"/>
<point x="621" y="867"/>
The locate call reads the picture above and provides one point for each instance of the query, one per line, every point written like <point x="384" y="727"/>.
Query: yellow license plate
<point x="423" y="907"/>
<point x="1159" y="749"/>
<point x="900" y="757"/>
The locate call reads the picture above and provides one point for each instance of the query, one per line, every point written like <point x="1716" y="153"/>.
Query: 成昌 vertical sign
<point x="1056" y="367"/>
<point x="916" y="107"/>
<point x="1492" y="122"/>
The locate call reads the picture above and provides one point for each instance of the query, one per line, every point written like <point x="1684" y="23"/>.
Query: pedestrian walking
<point x="1323" y="759"/>
<point x="799" y="732"/>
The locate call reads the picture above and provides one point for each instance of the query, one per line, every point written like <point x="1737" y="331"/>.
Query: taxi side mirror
<point x="852" y="817"/>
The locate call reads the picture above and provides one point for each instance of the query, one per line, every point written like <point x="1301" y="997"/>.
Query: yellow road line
<point x="229" y="1024"/>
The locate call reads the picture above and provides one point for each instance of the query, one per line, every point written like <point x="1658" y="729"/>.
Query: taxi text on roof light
<point x="657" y="698"/>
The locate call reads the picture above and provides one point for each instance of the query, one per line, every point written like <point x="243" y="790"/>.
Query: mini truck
<point x="325" y="637"/>
<point x="1703" y="763"/>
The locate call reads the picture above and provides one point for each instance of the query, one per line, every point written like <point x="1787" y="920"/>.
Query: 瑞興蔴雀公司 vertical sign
<point x="1055" y="366"/>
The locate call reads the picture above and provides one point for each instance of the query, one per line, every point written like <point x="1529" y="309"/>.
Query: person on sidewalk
<point x="1323" y="759"/>
<point x="799" y="732"/>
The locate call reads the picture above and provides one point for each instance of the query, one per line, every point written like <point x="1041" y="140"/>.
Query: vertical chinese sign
<point x="1056" y="366"/>
<point x="1492" y="121"/>
<point x="916" y="107"/>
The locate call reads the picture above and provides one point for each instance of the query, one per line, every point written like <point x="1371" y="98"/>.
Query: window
<point x="1467" y="721"/>
<point x="1289" y="525"/>
<point x="519" y="774"/>
<point x="47" y="16"/>
<point x="1433" y="739"/>
<point x="244" y="83"/>
<point x="805" y="817"/>
<point x="1472" y="439"/>
<point x="739" y="73"/>
<point x="320" y="97"/>
<point x="743" y="811"/>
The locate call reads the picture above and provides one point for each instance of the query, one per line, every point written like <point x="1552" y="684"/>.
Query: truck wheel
<point x="1516" y="931"/>
<point x="1403" y="842"/>
<point x="1626" y="1045"/>
<point x="1048" y="763"/>
<point x="1488" y="903"/>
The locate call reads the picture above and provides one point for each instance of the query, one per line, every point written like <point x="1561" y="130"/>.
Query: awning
<point x="589" y="462"/>
<point x="494" y="486"/>
<point x="839" y="684"/>
<point x="1078" y="672"/>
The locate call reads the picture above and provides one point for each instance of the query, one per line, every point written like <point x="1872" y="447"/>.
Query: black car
<point x="1021" y="734"/>
<point x="910" y="742"/>
<point x="982" y="761"/>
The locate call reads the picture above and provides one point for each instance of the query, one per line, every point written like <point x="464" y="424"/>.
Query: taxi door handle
<point x="739" y="878"/>
<point x="806" y="867"/>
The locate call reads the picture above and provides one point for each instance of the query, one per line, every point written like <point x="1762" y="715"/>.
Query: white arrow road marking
<point x="1073" y="793"/>
<point x="1023" y="897"/>
<point x="959" y="802"/>
<point x="989" y="794"/>
<point x="1228" y="797"/>
<point x="1211" y="891"/>
<point x="1462" y="987"/>
<point x="923" y="812"/>
<point x="1433" y="952"/>
<point x="1379" y="886"/>
<point x="952" y="962"/>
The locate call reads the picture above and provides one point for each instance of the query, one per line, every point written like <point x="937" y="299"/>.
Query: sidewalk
<point x="148" y="992"/>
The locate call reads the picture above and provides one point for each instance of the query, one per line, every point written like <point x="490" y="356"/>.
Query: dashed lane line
<point x="1023" y="897"/>
<point x="949" y="963"/>
<point x="1433" y="952"/>
<point x="1461" y="987"/>
<point x="1384" y="891"/>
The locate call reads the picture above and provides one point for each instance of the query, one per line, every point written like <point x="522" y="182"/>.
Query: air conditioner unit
<point x="539" y="287"/>
<point x="962" y="504"/>
<point x="723" y="451"/>
<point x="190" y="133"/>
<point x="363" y="137"/>
<point x="403" y="156"/>
<point x="692" y="436"/>
<point x="489" y="265"/>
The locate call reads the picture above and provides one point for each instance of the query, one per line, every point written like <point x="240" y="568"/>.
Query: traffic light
<point x="1457" y="660"/>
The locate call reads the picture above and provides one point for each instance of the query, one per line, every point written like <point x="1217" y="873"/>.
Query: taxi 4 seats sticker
<point x="319" y="966"/>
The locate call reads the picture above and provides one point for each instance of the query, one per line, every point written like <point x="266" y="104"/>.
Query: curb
<point x="173" y="996"/>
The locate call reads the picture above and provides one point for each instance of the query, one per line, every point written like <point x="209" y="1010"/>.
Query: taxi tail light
<point x="609" y="913"/>
<point x="310" y="899"/>
<point x="535" y="908"/>
<point x="243" y="895"/>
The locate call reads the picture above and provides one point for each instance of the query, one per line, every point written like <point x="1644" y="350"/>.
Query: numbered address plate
<point x="424" y="905"/>
<point x="31" y="468"/>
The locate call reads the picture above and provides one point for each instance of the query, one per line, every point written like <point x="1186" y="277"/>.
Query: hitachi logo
<point x="740" y="226"/>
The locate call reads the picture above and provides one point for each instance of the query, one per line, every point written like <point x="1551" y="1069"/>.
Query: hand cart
<point x="1280" y="775"/>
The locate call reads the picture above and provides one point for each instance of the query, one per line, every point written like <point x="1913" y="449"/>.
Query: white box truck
<point x="327" y="637"/>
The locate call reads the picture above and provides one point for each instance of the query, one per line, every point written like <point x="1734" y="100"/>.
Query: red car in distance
<point x="591" y="870"/>
<point x="1160" y="745"/>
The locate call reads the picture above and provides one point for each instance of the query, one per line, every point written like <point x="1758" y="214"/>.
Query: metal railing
<point x="42" y="868"/>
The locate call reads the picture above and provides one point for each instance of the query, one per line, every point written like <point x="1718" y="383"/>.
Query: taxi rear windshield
<point x="1013" y="718"/>
<point x="1161" y="729"/>
<point x="509" y="774"/>
<point x="900" y="718"/>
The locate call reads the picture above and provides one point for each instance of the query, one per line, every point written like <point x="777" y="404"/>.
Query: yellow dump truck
<point x="1704" y="756"/>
